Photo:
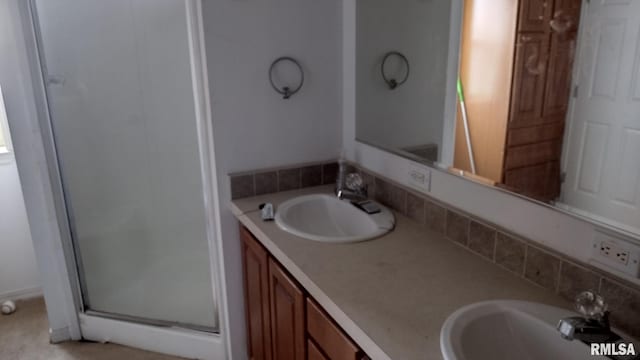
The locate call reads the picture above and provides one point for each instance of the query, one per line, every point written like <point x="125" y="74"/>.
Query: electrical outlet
<point x="616" y="253"/>
<point x="419" y="177"/>
<point x="613" y="252"/>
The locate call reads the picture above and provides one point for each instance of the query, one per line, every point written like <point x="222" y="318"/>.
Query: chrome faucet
<point x="351" y="187"/>
<point x="593" y="326"/>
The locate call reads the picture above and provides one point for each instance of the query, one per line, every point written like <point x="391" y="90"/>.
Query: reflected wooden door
<point x="601" y="160"/>
<point x="539" y="100"/>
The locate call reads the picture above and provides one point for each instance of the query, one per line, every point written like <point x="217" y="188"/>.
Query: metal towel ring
<point x="286" y="91"/>
<point x="393" y="83"/>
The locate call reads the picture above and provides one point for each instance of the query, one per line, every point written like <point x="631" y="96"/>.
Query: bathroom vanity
<point x="386" y="298"/>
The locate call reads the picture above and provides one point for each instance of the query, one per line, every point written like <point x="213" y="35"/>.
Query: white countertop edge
<point x="347" y="325"/>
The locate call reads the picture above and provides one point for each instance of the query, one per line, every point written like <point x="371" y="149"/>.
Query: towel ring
<point x="391" y="82"/>
<point x="286" y="91"/>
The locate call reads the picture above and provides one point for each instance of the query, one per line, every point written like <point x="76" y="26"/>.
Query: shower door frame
<point x="87" y="319"/>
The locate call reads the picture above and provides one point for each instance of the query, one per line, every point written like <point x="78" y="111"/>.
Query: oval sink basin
<point x="326" y="218"/>
<point x="505" y="330"/>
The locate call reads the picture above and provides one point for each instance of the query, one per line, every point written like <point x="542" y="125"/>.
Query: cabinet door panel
<point x="534" y="15"/>
<point x="287" y="315"/>
<point x="256" y="290"/>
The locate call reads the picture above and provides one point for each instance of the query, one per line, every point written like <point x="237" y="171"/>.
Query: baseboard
<point x="21" y="294"/>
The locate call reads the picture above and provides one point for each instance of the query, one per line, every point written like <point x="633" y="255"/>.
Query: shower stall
<point x="130" y="147"/>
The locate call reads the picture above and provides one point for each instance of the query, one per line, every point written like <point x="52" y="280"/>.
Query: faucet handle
<point x="354" y="182"/>
<point x="591" y="305"/>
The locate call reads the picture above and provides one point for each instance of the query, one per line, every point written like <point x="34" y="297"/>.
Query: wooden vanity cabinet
<point x="255" y="264"/>
<point x="283" y="322"/>
<point x="286" y="304"/>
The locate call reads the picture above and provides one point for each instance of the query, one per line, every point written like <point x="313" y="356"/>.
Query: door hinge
<point x="574" y="93"/>
<point x="563" y="177"/>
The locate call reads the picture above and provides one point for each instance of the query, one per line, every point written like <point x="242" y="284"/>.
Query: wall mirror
<point x="548" y="97"/>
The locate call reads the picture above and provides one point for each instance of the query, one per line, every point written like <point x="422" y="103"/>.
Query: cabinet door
<point x="534" y="15"/>
<point x="287" y="315"/>
<point x="329" y="337"/>
<point x="256" y="292"/>
<point x="529" y="72"/>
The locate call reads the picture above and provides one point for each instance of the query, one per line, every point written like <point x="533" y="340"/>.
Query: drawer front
<point x="330" y="338"/>
<point x="313" y="353"/>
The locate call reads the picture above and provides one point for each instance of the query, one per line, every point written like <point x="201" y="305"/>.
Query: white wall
<point x="565" y="233"/>
<point x="253" y="126"/>
<point x="18" y="271"/>
<point x="411" y="114"/>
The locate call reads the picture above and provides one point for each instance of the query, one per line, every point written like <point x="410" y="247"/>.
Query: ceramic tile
<point x="575" y="279"/>
<point x="391" y="195"/>
<point x="266" y="182"/>
<point x="288" y="179"/>
<point x="542" y="268"/>
<point x="510" y="253"/>
<point x="457" y="227"/>
<point x="482" y="239"/>
<point x="311" y="176"/>
<point x="624" y="304"/>
<point x="242" y="186"/>
<point x="415" y="207"/>
<point x="435" y="217"/>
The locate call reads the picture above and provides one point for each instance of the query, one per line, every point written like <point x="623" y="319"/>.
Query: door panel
<point x="528" y="82"/>
<point x="603" y="173"/>
<point x="287" y="315"/>
<point x="540" y="182"/>
<point x="256" y="289"/>
<point x="534" y="15"/>
<point x="558" y="79"/>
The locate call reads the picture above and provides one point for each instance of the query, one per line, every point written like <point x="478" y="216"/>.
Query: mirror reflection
<point x="402" y="41"/>
<point x="547" y="100"/>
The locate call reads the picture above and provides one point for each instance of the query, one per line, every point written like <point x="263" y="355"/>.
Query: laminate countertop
<point x="392" y="294"/>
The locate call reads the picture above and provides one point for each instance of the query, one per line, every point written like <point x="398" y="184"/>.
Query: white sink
<point x="505" y="330"/>
<point x="326" y="218"/>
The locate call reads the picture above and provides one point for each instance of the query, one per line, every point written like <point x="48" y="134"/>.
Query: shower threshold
<point x="152" y="322"/>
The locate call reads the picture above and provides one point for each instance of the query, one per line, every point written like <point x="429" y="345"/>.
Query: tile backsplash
<point x="531" y="261"/>
<point x="267" y="181"/>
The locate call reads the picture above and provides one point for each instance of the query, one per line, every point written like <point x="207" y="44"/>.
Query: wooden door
<point x="534" y="15"/>
<point x="539" y="103"/>
<point x="255" y="261"/>
<point x="287" y="315"/>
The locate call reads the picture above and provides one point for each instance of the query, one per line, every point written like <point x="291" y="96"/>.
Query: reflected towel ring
<point x="393" y="83"/>
<point x="286" y="91"/>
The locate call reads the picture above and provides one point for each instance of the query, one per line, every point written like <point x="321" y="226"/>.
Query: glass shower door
<point x="121" y="99"/>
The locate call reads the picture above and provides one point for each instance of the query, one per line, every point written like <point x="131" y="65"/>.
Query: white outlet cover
<point x="632" y="267"/>
<point x="419" y="177"/>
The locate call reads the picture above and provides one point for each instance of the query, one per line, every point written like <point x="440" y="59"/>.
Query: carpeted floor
<point x="24" y="336"/>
